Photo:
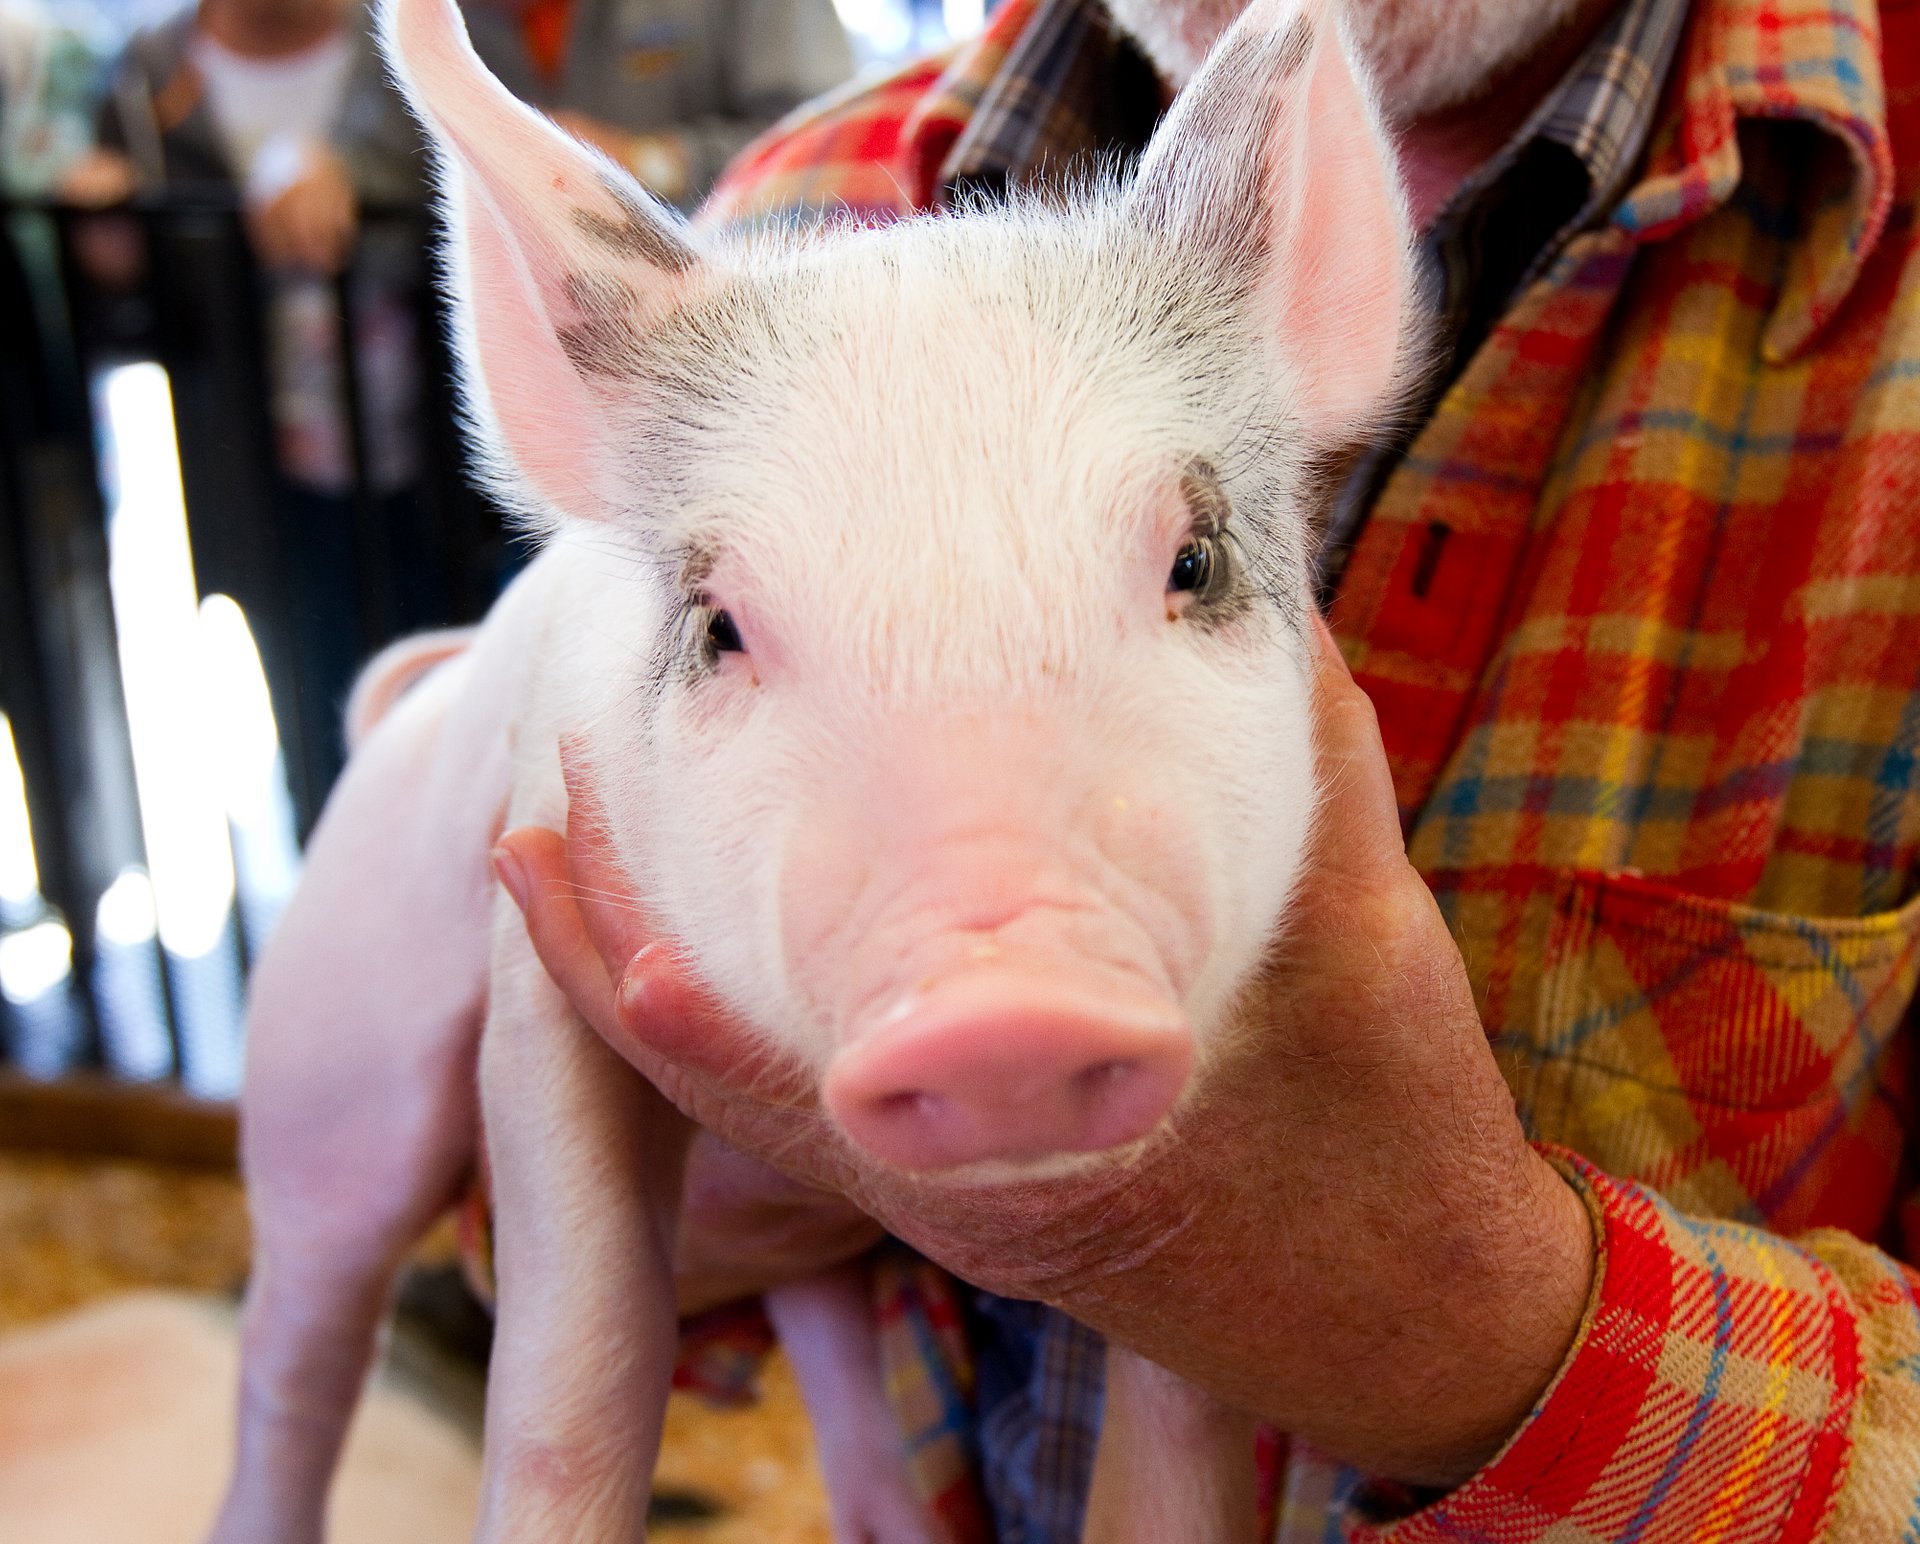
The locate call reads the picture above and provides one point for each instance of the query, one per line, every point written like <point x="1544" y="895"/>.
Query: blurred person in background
<point x="671" y="89"/>
<point x="49" y="78"/>
<point x="283" y="101"/>
<point x="283" y="108"/>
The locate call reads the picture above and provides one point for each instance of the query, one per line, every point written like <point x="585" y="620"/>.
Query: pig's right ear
<point x="560" y="263"/>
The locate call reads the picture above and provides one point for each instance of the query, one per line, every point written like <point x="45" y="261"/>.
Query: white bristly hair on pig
<point x="1108" y="317"/>
<point x="936" y="450"/>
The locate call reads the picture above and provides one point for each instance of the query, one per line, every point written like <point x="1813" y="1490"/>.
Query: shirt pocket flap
<point x="1746" y="1063"/>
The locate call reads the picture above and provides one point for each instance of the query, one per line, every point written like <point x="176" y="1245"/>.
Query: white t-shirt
<point x="283" y="103"/>
<point x="270" y="114"/>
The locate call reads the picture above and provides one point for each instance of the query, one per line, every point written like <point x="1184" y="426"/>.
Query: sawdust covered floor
<point x="78" y="1235"/>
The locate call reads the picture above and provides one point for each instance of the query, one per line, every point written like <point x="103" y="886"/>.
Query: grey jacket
<point x="156" y="111"/>
<point x="715" y="72"/>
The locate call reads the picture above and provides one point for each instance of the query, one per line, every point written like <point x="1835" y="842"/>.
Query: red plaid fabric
<point x="1641" y="615"/>
<point x="923" y="1354"/>
<point x="874" y="152"/>
<point x="1711" y="1397"/>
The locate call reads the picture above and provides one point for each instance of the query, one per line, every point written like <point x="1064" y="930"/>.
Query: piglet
<point x="926" y="608"/>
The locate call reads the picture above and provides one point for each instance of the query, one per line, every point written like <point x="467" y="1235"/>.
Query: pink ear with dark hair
<point x="562" y="264"/>
<point x="1275" y="157"/>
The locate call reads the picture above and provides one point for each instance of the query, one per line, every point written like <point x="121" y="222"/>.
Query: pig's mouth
<point x="1014" y="1050"/>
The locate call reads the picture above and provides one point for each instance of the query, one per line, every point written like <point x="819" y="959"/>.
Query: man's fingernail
<point x="633" y="987"/>
<point x="637" y="982"/>
<point x="513" y="874"/>
<point x="1323" y="638"/>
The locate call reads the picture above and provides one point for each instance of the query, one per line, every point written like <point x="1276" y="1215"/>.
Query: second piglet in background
<point x="927" y="610"/>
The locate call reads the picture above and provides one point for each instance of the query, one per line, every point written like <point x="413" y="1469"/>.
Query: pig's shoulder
<point x="559" y="647"/>
<point x="457" y="701"/>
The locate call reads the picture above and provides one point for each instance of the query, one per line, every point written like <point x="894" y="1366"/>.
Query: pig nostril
<point x="1102" y="1075"/>
<point x="907" y="1106"/>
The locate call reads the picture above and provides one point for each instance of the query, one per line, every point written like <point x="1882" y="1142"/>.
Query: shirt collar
<point x="1601" y="114"/>
<point x="1818" y="61"/>
<point x="942" y="116"/>
<point x="1035" y="73"/>
<point x="1604" y="109"/>
<point x="1067" y="90"/>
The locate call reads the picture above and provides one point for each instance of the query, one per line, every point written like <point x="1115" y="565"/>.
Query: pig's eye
<point x="722" y="636"/>
<point x="1193" y="566"/>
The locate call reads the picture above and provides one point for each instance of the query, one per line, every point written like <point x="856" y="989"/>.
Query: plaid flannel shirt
<point x="1640" y="611"/>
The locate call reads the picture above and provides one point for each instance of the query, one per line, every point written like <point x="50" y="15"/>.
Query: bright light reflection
<point x="126" y="913"/>
<point x="34" y="961"/>
<point x="127" y="985"/>
<point x="963" y="18"/>
<point x="246" y="744"/>
<point x="19" y="878"/>
<point x="247" y="762"/>
<point x="171" y="715"/>
<point x="881" y="29"/>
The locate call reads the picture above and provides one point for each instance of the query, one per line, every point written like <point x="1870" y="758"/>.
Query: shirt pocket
<point x="1748" y="1064"/>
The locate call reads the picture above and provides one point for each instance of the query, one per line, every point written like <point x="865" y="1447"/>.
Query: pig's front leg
<point x="586" y="1159"/>
<point x="1174" y="1463"/>
<point x="357" y="1117"/>
<point x="827" y="1329"/>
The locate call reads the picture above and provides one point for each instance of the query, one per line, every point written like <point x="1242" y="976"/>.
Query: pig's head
<point x="958" y="719"/>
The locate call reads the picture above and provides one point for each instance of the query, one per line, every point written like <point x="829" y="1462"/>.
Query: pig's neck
<point x="1439" y="152"/>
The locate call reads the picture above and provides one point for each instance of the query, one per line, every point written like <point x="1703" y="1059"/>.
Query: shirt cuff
<point x="1708" y="1394"/>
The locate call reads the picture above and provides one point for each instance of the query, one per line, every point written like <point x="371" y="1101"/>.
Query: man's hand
<point x="96" y="179"/>
<point x="1344" y="1230"/>
<point x="746" y="1227"/>
<point x="301" y="208"/>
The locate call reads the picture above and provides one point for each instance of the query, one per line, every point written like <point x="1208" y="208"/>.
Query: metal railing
<point x="153" y="377"/>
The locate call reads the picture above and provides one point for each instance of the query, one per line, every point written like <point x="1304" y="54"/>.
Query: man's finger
<point x="1359" y="809"/>
<point x="532" y="864"/>
<point x="665" y="1009"/>
<point x="657" y="1018"/>
<point x="618" y="926"/>
<point x="666" y="1017"/>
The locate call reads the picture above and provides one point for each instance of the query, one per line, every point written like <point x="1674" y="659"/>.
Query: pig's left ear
<point x="561" y="265"/>
<point x="1274" y="162"/>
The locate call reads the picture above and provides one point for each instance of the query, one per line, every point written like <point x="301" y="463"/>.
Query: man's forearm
<point x="1422" y="1370"/>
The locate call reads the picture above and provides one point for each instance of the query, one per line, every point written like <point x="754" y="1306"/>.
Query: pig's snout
<point x="1012" y="1064"/>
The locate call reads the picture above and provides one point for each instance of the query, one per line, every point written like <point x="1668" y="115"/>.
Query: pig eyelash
<point x="1206" y="496"/>
<point x="1251" y="558"/>
<point x="677" y="654"/>
<point x="1209" y="567"/>
<point x="696" y="632"/>
<point x="1195" y="566"/>
<point x="697" y="635"/>
<point x="722" y="635"/>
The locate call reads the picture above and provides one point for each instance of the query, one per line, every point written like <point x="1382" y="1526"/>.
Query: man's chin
<point x="1424" y="56"/>
<point x="1441" y="54"/>
<point x="1174" y="34"/>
